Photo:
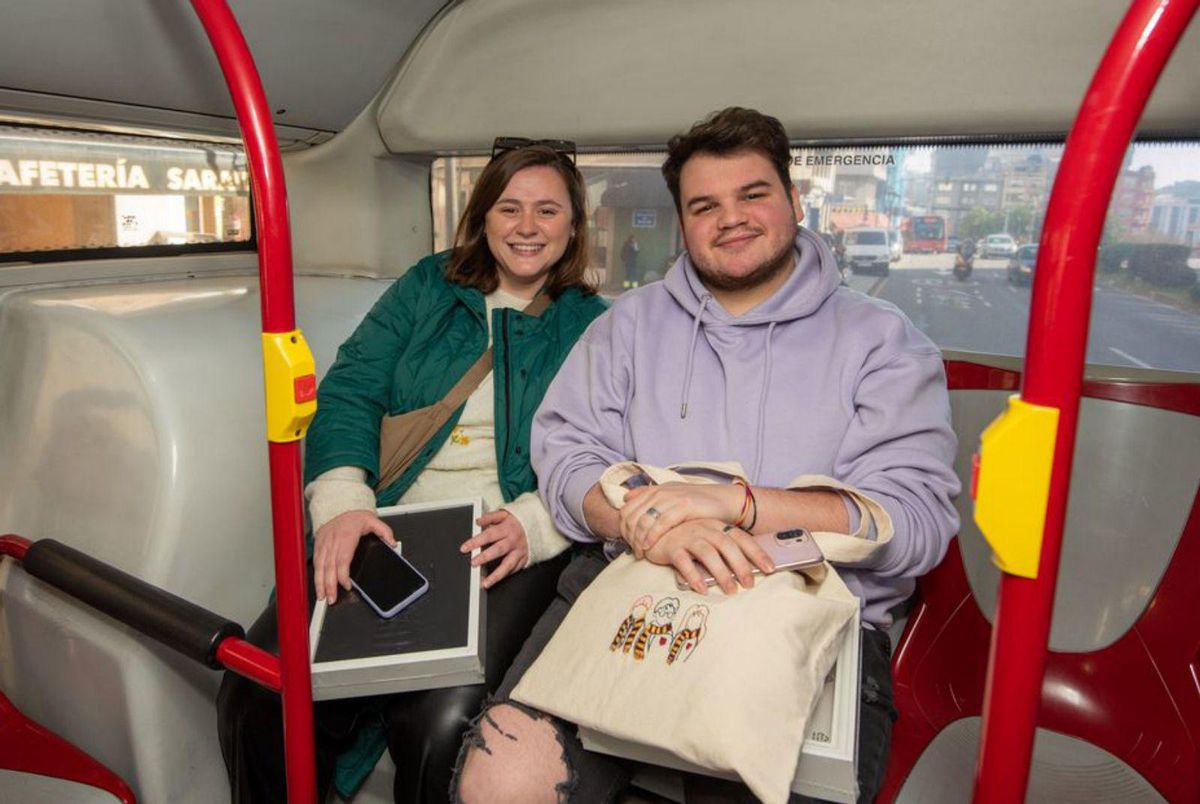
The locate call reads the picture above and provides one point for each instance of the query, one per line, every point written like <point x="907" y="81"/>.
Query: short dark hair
<point x="471" y="261"/>
<point x="726" y="132"/>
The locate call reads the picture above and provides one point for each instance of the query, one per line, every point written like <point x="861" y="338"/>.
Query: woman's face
<point x="528" y="228"/>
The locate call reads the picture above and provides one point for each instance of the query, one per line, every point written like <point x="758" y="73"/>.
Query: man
<point x="751" y="351"/>
<point x="966" y="248"/>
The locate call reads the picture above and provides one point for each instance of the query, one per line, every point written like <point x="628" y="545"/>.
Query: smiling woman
<point x="523" y="233"/>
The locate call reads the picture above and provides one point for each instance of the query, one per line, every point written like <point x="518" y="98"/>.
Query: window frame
<point x="176" y="139"/>
<point x="132" y="252"/>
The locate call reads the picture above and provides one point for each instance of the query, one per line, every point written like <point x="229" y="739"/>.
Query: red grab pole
<point x="278" y="313"/>
<point x="250" y="661"/>
<point x="13" y="545"/>
<point x="1057" y="344"/>
<point x="266" y="168"/>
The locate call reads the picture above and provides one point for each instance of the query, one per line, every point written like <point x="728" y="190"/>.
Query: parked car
<point x="998" y="245"/>
<point x="951" y="245"/>
<point x="1021" y="264"/>
<point x="896" y="244"/>
<point x="867" y="250"/>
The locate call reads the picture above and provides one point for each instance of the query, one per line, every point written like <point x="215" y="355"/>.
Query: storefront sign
<point x="645" y="218"/>
<point x="33" y="165"/>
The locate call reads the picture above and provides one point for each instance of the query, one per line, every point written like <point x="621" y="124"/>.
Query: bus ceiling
<point x="445" y="77"/>
<point x="149" y="66"/>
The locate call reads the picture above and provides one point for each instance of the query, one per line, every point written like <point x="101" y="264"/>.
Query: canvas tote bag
<point x="723" y="682"/>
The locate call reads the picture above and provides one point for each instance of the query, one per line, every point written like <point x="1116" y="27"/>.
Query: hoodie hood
<point x="813" y="280"/>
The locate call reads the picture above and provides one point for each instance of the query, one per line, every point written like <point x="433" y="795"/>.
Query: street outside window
<point x="64" y="191"/>
<point x="1146" y="308"/>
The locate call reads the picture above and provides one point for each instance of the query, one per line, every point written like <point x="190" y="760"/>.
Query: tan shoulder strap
<point x="402" y="437"/>
<point x="538" y="306"/>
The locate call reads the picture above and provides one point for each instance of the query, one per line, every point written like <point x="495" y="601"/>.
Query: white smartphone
<point x="384" y="578"/>
<point x="788" y="549"/>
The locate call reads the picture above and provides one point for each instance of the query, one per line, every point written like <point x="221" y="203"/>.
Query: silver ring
<point x="653" y="512"/>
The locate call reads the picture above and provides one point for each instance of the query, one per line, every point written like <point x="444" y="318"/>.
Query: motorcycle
<point x="963" y="263"/>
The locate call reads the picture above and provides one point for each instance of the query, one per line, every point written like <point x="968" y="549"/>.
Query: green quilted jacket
<point x="417" y="341"/>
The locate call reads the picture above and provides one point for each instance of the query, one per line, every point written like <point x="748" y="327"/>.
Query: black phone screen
<point x="387" y="579"/>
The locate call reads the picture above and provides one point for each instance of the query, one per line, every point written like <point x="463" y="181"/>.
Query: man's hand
<point x="502" y="536"/>
<point x="334" y="547"/>
<point x="726" y="552"/>
<point x="650" y="512"/>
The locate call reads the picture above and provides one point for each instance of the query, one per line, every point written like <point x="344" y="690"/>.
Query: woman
<point x="524" y="232"/>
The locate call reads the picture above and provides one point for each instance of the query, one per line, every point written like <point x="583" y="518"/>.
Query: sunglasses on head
<point x="562" y="147"/>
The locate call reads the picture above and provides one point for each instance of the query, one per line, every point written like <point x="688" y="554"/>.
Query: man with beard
<point x="749" y="350"/>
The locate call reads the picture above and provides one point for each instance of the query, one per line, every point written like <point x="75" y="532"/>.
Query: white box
<point x="438" y="641"/>
<point x="828" y="767"/>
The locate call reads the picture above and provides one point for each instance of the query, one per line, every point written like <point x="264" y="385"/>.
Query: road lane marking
<point x="878" y="286"/>
<point x="1129" y="357"/>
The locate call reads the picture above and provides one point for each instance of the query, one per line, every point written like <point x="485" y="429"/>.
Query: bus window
<point x="1146" y="311"/>
<point x="627" y="198"/>
<point x="66" y="194"/>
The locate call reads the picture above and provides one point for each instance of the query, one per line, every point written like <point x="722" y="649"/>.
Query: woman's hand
<point x="334" y="548"/>
<point x="651" y="511"/>
<point x="502" y="536"/>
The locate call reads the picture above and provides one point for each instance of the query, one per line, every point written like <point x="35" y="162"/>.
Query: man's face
<point x="739" y="221"/>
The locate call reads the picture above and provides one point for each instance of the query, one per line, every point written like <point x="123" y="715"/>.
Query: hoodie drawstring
<point x="687" y="375"/>
<point x="762" y="408"/>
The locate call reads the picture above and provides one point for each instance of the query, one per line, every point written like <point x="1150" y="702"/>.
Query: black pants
<point x="424" y="728"/>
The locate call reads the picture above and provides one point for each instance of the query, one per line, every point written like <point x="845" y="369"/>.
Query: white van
<point x="868" y="251"/>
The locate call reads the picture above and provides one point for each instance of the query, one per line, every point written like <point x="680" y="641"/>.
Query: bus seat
<point x="144" y="400"/>
<point x="1062" y="768"/>
<point x="1119" y="703"/>
<point x="38" y="765"/>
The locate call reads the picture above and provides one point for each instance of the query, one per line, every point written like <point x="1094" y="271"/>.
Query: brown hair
<point x="726" y="132"/>
<point x="472" y="263"/>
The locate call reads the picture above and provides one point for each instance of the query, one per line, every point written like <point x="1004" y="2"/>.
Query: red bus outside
<point x="925" y="234"/>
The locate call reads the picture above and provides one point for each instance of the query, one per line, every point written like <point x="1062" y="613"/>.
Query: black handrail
<point x="192" y="630"/>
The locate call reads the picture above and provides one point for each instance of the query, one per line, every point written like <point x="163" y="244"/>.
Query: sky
<point x="919" y="160"/>
<point x="1171" y="162"/>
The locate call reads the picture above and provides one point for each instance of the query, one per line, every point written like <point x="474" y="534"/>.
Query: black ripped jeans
<point x="424" y="728"/>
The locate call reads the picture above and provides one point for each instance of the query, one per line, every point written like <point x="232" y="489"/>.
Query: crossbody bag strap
<point x="402" y="437"/>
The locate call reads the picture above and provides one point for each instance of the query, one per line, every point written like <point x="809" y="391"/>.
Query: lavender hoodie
<point x="818" y="379"/>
